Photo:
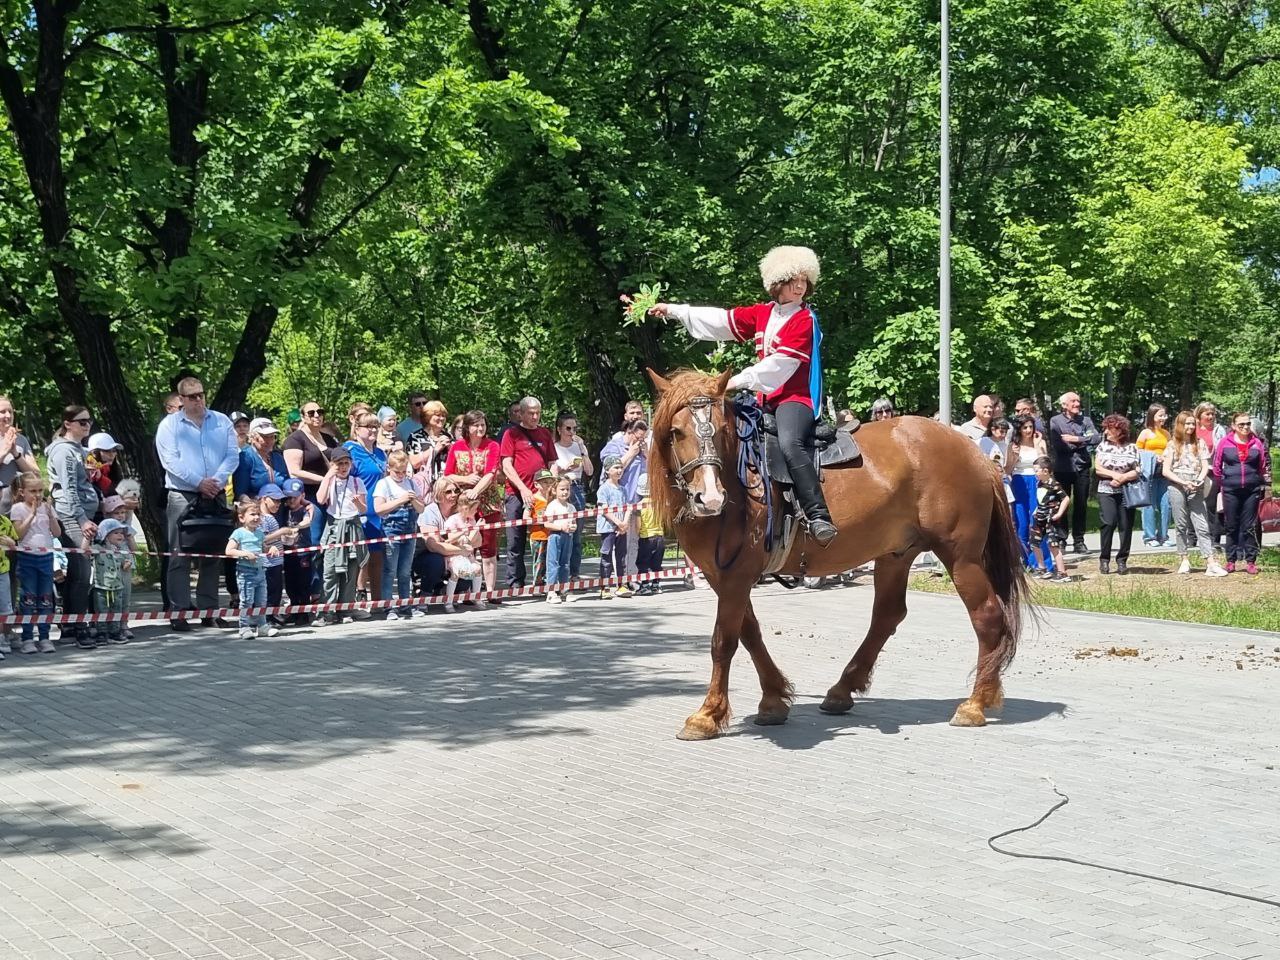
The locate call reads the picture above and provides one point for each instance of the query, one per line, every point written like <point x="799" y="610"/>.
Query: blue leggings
<point x="1024" y="506"/>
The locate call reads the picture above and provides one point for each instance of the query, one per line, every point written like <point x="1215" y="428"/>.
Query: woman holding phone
<point x="573" y="462"/>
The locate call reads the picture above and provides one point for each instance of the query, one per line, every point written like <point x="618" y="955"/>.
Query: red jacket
<point x="794" y="340"/>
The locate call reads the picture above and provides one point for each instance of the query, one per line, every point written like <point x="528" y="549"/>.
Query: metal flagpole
<point x="944" y="219"/>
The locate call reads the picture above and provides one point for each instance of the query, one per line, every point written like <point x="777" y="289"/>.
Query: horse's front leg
<point x="713" y="716"/>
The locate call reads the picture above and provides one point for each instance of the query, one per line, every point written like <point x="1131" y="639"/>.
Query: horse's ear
<point x="722" y="382"/>
<point x="660" y="383"/>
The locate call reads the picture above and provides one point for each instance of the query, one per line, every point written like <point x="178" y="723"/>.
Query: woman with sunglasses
<point x="304" y="458"/>
<point x="75" y="503"/>
<point x="1243" y="469"/>
<point x="573" y="461"/>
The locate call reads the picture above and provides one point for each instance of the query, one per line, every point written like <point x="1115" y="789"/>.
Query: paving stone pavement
<point x="506" y="784"/>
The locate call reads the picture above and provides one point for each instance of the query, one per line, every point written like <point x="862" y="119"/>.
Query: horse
<point x="919" y="486"/>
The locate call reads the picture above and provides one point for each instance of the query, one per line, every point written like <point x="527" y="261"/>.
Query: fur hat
<point x="786" y="263"/>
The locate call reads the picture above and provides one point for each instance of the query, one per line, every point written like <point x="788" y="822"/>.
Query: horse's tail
<point x="1002" y="561"/>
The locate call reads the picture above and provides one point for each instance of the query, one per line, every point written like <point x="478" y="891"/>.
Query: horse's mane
<point x="684" y="385"/>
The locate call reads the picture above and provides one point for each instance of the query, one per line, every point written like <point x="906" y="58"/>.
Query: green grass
<point x="1159" y="602"/>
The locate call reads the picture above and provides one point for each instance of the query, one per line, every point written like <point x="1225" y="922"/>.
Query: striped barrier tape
<point x="316" y="548"/>
<point x="508" y="593"/>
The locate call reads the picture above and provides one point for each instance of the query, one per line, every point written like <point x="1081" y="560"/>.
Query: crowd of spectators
<point x="1197" y="484"/>
<point x="388" y="509"/>
<point x="395" y="508"/>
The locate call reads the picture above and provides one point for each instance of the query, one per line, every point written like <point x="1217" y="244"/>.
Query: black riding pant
<point x="795" y="433"/>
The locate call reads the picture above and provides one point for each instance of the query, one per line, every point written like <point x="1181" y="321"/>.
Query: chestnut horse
<point x="919" y="486"/>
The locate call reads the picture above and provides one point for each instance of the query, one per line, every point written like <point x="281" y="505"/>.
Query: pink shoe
<point x="1231" y="566"/>
<point x="1252" y="568"/>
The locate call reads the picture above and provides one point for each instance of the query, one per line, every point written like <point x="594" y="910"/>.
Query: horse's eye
<point x="676" y="433"/>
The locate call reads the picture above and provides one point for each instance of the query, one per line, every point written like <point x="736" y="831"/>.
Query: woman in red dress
<point x="476" y="458"/>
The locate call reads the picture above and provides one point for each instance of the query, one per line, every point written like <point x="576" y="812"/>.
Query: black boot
<point x="804" y="478"/>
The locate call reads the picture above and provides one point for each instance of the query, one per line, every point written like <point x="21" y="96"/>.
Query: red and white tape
<point x="316" y="548"/>
<point x="594" y="583"/>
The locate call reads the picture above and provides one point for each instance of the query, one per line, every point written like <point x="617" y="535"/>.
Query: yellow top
<point x="649" y="525"/>
<point x="1154" y="440"/>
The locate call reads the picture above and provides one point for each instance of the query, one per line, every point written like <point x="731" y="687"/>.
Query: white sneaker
<point x="553" y="597"/>
<point x="1185" y="566"/>
<point x="393" y="615"/>
<point x="270" y="630"/>
<point x="568" y="597"/>
<point x="46" y="646"/>
<point x="247" y="633"/>
<point x="1215" y="571"/>
<point x="450" y="608"/>
<point x="29" y="646"/>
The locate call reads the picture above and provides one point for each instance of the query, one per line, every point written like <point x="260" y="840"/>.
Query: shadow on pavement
<point x="208" y="701"/>
<point x="31" y="829"/>
<point x="808" y="727"/>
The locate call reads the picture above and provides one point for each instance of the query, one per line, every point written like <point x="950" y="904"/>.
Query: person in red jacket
<point x="788" y="370"/>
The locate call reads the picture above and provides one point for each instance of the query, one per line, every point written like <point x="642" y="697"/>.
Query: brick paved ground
<point x="507" y="784"/>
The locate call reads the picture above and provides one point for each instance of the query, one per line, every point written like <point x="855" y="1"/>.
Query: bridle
<point x="708" y="456"/>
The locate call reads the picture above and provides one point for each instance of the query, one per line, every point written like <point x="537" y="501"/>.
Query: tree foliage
<point x="307" y="199"/>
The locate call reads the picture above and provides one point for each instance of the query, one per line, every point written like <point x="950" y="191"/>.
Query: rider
<point x="788" y="370"/>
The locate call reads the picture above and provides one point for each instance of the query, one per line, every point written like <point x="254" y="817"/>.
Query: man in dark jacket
<point x="1072" y="439"/>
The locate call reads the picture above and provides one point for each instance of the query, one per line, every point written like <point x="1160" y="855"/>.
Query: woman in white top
<point x="573" y="461"/>
<point x="1026" y="446"/>
<point x="397" y="501"/>
<point x="1187" y="464"/>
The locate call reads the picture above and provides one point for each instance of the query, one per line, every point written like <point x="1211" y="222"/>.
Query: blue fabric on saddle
<point x="753" y="459"/>
<point x="815" y="367"/>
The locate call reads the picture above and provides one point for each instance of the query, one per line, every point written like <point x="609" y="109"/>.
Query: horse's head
<point x="691" y="440"/>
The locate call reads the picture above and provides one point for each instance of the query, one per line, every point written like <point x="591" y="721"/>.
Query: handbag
<point x="205" y="526"/>
<point x="1269" y="515"/>
<point x="1136" y="493"/>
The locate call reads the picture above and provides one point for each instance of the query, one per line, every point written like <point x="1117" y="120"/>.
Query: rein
<point x="752" y="459"/>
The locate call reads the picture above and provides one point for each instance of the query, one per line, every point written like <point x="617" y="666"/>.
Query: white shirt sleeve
<point x="704" y="323"/>
<point x="766" y="375"/>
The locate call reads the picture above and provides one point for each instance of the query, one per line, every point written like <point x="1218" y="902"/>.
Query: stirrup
<point x="823" y="531"/>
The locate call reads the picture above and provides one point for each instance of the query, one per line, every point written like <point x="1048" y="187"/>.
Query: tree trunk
<point x="1190" y="376"/>
<point x="1126" y="385"/>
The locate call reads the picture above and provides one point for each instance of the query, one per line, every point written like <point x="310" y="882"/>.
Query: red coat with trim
<point x="794" y="339"/>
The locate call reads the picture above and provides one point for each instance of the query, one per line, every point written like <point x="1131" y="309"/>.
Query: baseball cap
<point x="293" y="416"/>
<point x="238" y="416"/>
<point x="543" y="475"/>
<point x="112" y="504"/>
<point x="611" y="462"/>
<point x="384" y="412"/>
<point x="292" y="487"/>
<point x="103" y="441"/>
<point x="270" y="490"/>
<point x="338" y="453"/>
<point x="262" y="425"/>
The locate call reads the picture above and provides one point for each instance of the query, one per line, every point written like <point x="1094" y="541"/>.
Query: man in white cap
<point x="788" y="369"/>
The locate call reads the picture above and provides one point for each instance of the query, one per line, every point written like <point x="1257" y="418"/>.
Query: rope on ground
<point x="991" y="842"/>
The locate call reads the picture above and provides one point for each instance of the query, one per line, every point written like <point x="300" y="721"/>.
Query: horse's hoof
<point x="967" y="715"/>
<point x="771" y="719"/>
<point x="698" y="729"/>
<point x="836" y="705"/>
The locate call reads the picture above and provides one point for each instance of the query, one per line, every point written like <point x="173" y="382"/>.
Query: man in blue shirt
<point x="198" y="449"/>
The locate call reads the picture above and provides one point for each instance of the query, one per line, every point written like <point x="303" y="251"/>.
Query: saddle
<point x="831" y="446"/>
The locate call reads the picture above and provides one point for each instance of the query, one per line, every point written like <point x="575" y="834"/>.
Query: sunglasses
<point x="313" y="413"/>
<point x="419" y="403"/>
<point x="199" y="395"/>
<point x="84" y="421"/>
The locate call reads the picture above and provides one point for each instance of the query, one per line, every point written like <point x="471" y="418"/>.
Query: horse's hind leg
<point x="987" y="615"/>
<point x="711" y="718"/>
<point x="887" y="611"/>
<point x="775" y="689"/>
